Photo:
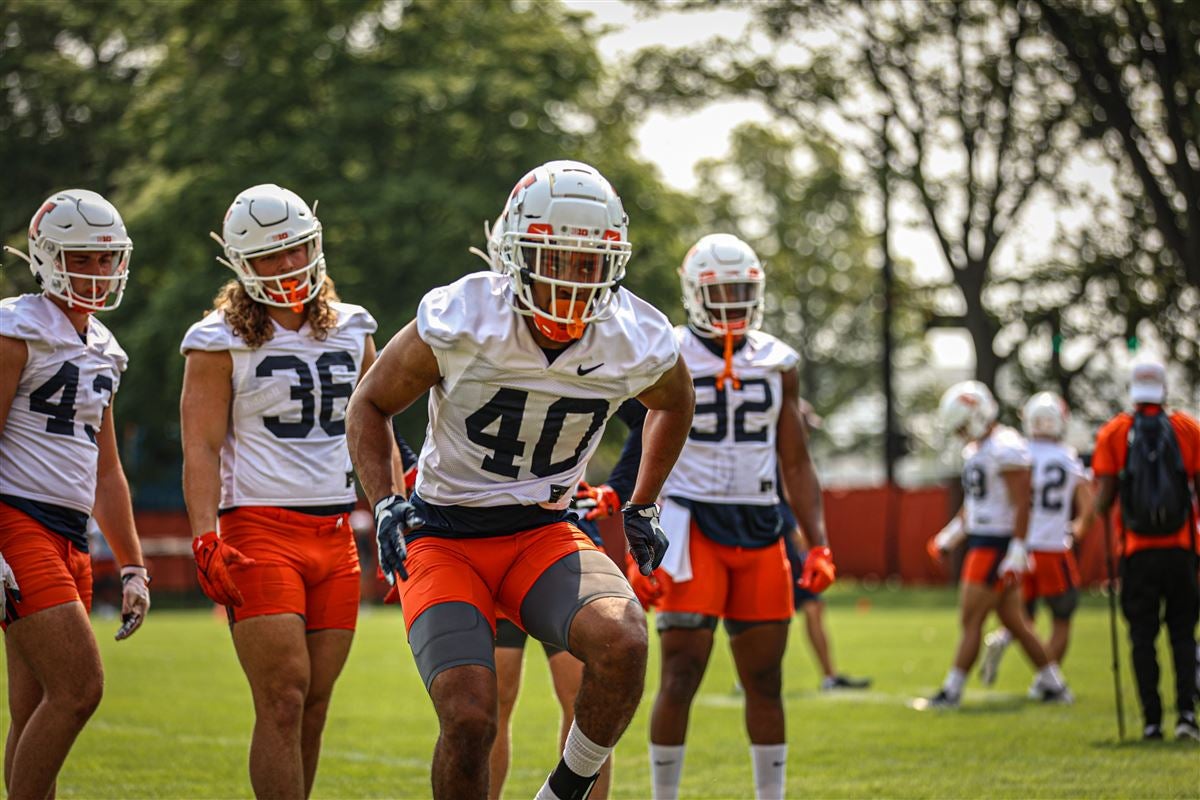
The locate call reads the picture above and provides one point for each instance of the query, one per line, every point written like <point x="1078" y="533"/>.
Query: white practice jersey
<point x="507" y="426"/>
<point x="985" y="495"/>
<point x="48" y="450"/>
<point x="286" y="444"/>
<point x="1057" y="470"/>
<point x="730" y="454"/>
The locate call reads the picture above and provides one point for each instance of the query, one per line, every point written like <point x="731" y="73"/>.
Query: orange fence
<point x="873" y="534"/>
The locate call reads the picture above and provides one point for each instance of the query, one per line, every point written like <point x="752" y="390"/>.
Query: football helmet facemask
<point x="967" y="409"/>
<point x="563" y="229"/>
<point x="1045" y="415"/>
<point x="78" y="221"/>
<point x="268" y="219"/>
<point x="722" y="281"/>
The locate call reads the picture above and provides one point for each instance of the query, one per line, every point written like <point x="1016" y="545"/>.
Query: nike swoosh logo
<point x="663" y="763"/>
<point x="778" y="763"/>
<point x="581" y="371"/>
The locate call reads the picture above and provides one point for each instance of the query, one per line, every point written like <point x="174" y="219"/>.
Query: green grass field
<point x="176" y="718"/>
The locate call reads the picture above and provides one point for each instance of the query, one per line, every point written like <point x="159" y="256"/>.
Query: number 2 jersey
<point x="48" y="451"/>
<point x="1057" y="470"/>
<point x="989" y="510"/>
<point x="286" y="444"/>
<point x="511" y="424"/>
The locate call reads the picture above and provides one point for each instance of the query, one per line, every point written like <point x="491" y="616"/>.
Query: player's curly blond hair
<point x="250" y="321"/>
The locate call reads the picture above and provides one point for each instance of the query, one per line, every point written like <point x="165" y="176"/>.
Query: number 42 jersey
<point x="508" y="425"/>
<point x="286" y="443"/>
<point x="48" y="450"/>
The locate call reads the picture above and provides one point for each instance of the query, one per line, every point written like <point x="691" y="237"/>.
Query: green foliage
<point x="408" y="122"/>
<point x="177" y="715"/>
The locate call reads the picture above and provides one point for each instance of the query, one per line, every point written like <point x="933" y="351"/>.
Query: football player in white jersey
<point x="59" y="372"/>
<point x="1060" y="489"/>
<point x="727" y="559"/>
<point x="995" y="514"/>
<point x="524" y="365"/>
<point x="268" y="376"/>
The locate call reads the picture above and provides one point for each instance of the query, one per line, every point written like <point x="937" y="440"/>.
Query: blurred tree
<point x="409" y="122"/>
<point x="985" y="120"/>
<point x="790" y="198"/>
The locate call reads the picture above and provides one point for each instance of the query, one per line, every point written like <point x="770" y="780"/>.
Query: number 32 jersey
<point x="48" y="450"/>
<point x="286" y="444"/>
<point x="730" y="454"/>
<point x="508" y="426"/>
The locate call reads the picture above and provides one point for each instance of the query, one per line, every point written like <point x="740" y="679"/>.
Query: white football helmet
<point x="562" y="216"/>
<point x="1045" y="415"/>
<point x="967" y="409"/>
<point x="722" y="281"/>
<point x="266" y="219"/>
<point x="78" y="220"/>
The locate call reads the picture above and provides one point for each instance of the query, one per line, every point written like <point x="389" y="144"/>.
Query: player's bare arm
<point x="370" y="355"/>
<point x="204" y="422"/>
<point x="114" y="508"/>
<point x="1085" y="503"/>
<point x="13" y="355"/>
<point x="1019" y="483"/>
<point x="800" y="482"/>
<point x="671" y="401"/>
<point x="404" y="371"/>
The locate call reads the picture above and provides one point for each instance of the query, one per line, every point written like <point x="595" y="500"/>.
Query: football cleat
<point x="1047" y="694"/>
<point x="945" y="699"/>
<point x="1152" y="733"/>
<point x="995" y="643"/>
<point x="1186" y="728"/>
<point x="834" y="682"/>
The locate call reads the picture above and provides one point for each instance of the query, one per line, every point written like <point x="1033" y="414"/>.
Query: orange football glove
<point x="410" y="479"/>
<point x="647" y="588"/>
<point x="818" y="572"/>
<point x="213" y="559"/>
<point x="601" y="501"/>
<point x="931" y="547"/>
<point x="393" y="593"/>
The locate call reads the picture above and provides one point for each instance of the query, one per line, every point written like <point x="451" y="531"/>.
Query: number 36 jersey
<point x="730" y="454"/>
<point x="286" y="444"/>
<point x="1056" y="472"/>
<point x="508" y="425"/>
<point x="48" y="450"/>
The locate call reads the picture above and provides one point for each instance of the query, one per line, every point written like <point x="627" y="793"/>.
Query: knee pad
<point x="1062" y="606"/>
<point x="451" y="635"/>
<point x="735" y="626"/>
<point x="685" y="620"/>
<point x="566" y="586"/>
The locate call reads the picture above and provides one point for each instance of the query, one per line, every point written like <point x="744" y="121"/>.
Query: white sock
<point x="770" y="770"/>
<point x="1050" y="677"/>
<point x="955" y="679"/>
<point x="666" y="768"/>
<point x="583" y="756"/>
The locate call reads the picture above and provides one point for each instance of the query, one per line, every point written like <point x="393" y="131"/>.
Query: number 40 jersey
<point x="286" y="444"/>
<point x="48" y="450"/>
<point x="509" y="425"/>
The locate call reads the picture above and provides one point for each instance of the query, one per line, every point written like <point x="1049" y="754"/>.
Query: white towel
<point x="676" y="522"/>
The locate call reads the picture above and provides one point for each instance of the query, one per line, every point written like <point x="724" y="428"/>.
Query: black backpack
<point x="1155" y="497"/>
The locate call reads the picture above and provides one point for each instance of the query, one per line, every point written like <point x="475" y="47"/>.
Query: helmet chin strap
<point x="293" y="292"/>
<point x="562" y="331"/>
<point x="727" y="372"/>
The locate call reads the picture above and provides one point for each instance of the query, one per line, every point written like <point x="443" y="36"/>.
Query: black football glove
<point x="394" y="517"/>
<point x="647" y="542"/>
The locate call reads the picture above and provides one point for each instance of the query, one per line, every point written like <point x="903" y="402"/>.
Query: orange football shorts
<point x="737" y="583"/>
<point x="50" y="571"/>
<point x="493" y="573"/>
<point x="1053" y="574"/>
<point x="304" y="564"/>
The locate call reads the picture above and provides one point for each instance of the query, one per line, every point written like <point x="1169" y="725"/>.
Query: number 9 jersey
<point x="48" y="450"/>
<point x="286" y="444"/>
<point x="989" y="510"/>
<point x="511" y="424"/>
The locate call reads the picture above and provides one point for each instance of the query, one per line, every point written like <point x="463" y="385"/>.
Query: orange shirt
<point x="1112" y="443"/>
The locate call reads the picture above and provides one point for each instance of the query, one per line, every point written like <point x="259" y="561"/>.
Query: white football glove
<point x="1016" y="560"/>
<point x="948" y="537"/>
<point x="135" y="600"/>
<point x="8" y="583"/>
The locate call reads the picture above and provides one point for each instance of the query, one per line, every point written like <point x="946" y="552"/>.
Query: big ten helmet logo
<point x="279" y="237"/>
